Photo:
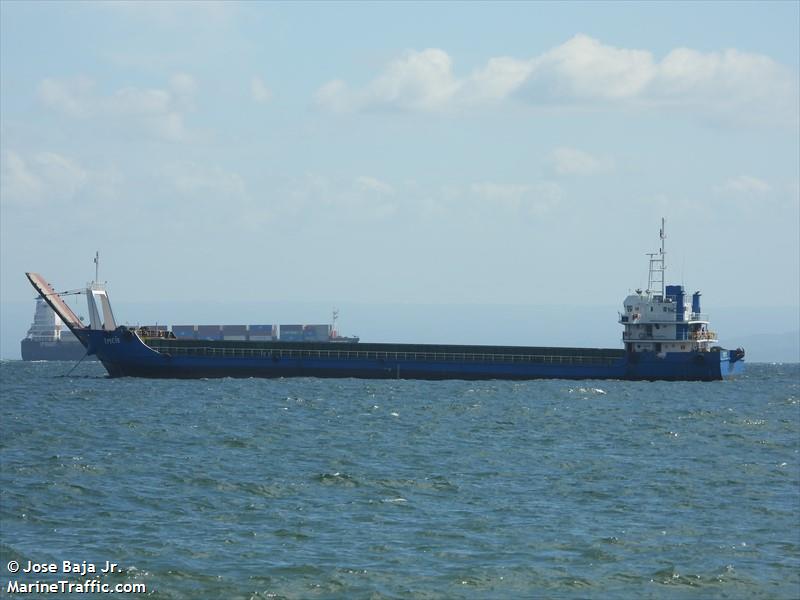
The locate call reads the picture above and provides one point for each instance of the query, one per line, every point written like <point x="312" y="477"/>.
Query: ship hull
<point x="123" y="353"/>
<point x="56" y="350"/>
<point x="684" y="366"/>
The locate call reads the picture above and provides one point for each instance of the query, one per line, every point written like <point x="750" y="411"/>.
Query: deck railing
<point x="651" y="337"/>
<point x="704" y="335"/>
<point x="279" y="354"/>
<point x="678" y="337"/>
<point x="660" y="318"/>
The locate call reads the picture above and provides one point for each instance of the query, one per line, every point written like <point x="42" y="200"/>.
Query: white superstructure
<point x="46" y="326"/>
<point x="661" y="318"/>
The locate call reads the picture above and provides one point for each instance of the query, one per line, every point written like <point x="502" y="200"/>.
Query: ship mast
<point x="658" y="266"/>
<point x="334" y="333"/>
<point x="96" y="285"/>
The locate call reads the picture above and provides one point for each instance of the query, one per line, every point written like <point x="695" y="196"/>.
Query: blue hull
<point x="124" y="354"/>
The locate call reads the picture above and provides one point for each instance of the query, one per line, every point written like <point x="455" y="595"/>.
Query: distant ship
<point x="665" y="337"/>
<point x="47" y="339"/>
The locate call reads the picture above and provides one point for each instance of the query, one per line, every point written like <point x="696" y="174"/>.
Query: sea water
<point x="313" y="488"/>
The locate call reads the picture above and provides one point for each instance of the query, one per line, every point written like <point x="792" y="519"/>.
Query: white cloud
<point x="183" y="84"/>
<point x="421" y="80"/>
<point x="130" y="101"/>
<point x="745" y="185"/>
<point x="533" y="199"/>
<point x="417" y="81"/>
<point x="259" y="90"/>
<point x="48" y="178"/>
<point x="570" y="161"/>
<point x="60" y="173"/>
<point x="371" y="184"/>
<point x="155" y="109"/>
<point x="199" y="181"/>
<point x="158" y="112"/>
<point x="18" y="183"/>
<point x="486" y="201"/>
<point x="202" y="196"/>
<point x="72" y="96"/>
<point x="213" y="195"/>
<point x="366" y="198"/>
<point x="496" y="81"/>
<point x="585" y="69"/>
<point x="583" y="72"/>
<point x="334" y="96"/>
<point x="362" y="198"/>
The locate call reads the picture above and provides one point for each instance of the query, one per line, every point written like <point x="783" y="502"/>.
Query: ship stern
<point x="731" y="363"/>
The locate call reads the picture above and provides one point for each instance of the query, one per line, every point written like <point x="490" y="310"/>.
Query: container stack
<point x="234" y="332"/>
<point x="262" y="333"/>
<point x="185" y="332"/>
<point x="253" y="333"/>
<point x="291" y="333"/>
<point x="209" y="332"/>
<point x="316" y="333"/>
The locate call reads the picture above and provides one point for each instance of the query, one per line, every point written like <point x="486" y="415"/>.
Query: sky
<point x="400" y="154"/>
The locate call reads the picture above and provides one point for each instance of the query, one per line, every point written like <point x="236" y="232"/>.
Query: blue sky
<point x="408" y="153"/>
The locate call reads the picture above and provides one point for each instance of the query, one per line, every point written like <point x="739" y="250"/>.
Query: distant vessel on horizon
<point x="47" y="339"/>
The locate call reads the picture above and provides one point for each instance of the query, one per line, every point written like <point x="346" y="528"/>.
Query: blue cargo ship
<point x="665" y="337"/>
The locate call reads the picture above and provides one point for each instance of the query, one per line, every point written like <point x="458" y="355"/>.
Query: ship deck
<point x="394" y="352"/>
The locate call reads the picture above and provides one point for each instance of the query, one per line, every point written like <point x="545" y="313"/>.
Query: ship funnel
<point x="696" y="303"/>
<point x="676" y="294"/>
